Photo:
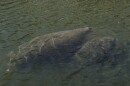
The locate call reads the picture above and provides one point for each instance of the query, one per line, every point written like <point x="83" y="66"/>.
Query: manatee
<point x="51" y="48"/>
<point x="96" y="51"/>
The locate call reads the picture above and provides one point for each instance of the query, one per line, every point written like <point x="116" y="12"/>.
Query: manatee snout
<point x="108" y="43"/>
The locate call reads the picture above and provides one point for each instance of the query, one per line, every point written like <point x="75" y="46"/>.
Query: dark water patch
<point x="20" y="22"/>
<point x="10" y="12"/>
<point x="12" y="5"/>
<point x="6" y="3"/>
<point x="8" y="19"/>
<point x="73" y="74"/>
<point x="23" y="37"/>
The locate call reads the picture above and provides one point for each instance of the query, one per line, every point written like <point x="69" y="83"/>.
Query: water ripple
<point x="11" y="5"/>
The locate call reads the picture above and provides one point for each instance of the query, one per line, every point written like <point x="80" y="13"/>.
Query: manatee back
<point x="53" y="48"/>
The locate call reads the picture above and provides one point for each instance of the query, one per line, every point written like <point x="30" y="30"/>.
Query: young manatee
<point x="51" y="48"/>
<point x="96" y="51"/>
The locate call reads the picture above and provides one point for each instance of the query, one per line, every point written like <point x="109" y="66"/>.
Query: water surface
<point x="21" y="20"/>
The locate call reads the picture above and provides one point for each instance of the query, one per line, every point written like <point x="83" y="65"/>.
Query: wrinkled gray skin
<point x="52" y="48"/>
<point x="96" y="51"/>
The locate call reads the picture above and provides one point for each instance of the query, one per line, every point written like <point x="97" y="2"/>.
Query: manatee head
<point x="97" y="50"/>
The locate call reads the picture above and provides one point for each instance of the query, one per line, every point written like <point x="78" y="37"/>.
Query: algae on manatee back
<point x="52" y="48"/>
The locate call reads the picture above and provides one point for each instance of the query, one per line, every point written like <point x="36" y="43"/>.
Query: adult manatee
<point x="96" y="51"/>
<point x="52" y="48"/>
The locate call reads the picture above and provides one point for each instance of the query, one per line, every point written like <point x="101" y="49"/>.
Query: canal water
<point x="22" y="20"/>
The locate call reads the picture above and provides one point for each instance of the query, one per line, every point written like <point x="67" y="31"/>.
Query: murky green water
<point x="21" y="20"/>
